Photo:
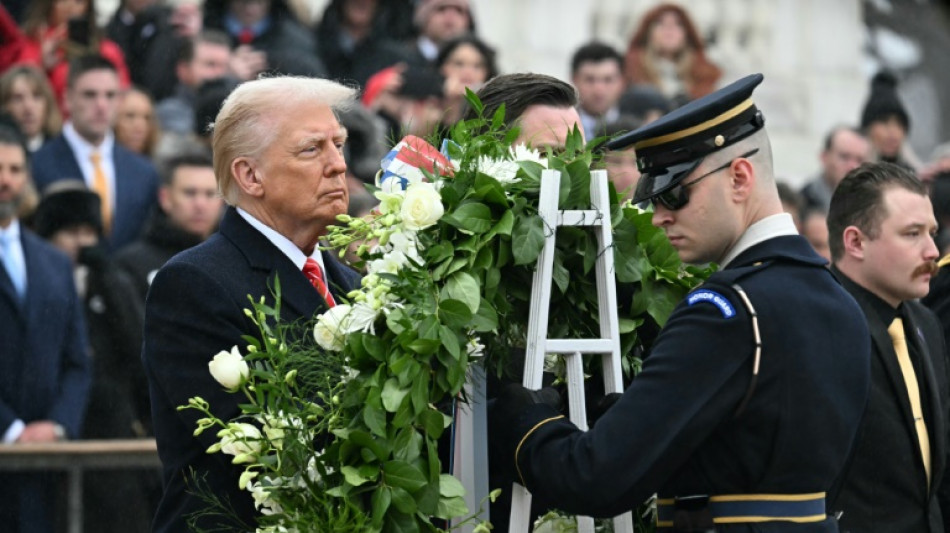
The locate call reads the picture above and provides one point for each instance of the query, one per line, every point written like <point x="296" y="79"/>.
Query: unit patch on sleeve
<point x="713" y="297"/>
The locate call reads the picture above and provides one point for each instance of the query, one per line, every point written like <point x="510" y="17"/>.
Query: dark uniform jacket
<point x="195" y="309"/>
<point x="884" y="488"/>
<point x="676" y="430"/>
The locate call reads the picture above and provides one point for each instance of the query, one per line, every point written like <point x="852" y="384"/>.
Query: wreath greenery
<point x="341" y="434"/>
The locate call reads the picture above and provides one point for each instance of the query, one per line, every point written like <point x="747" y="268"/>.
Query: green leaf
<point x="450" y="487"/>
<point x="420" y="393"/>
<point x="393" y="395"/>
<point x="484" y="259"/>
<point x="486" y="319"/>
<point x="532" y="170"/>
<point x="628" y="325"/>
<point x="404" y="501"/>
<point x="463" y="287"/>
<point x="404" y="475"/>
<point x="425" y="346"/>
<point x="400" y="522"/>
<point x="407" y="446"/>
<point x="560" y="275"/>
<point x="527" y="240"/>
<point x="470" y="218"/>
<point x="451" y="508"/>
<point x="374" y="346"/>
<point x="433" y="422"/>
<point x="381" y="499"/>
<point x="504" y="226"/>
<point x="352" y="476"/>
<point x="660" y="301"/>
<point x="427" y="499"/>
<point x="450" y="340"/>
<point x="366" y="441"/>
<point x="375" y="420"/>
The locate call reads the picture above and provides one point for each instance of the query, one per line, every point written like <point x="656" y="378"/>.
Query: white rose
<point x="229" y="368"/>
<point x="240" y="438"/>
<point x="422" y="206"/>
<point x="329" y="330"/>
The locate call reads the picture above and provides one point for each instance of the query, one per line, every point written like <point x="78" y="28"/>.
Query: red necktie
<point x="314" y="273"/>
<point x="246" y="36"/>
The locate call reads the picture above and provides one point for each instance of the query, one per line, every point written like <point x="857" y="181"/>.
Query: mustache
<point x="926" y="268"/>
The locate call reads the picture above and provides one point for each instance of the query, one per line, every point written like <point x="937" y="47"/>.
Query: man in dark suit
<point x="279" y="165"/>
<point x="749" y="400"/>
<point x="127" y="182"/>
<point x="881" y="226"/>
<point x="44" y="366"/>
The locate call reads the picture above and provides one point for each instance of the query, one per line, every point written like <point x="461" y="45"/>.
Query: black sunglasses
<point x="677" y="196"/>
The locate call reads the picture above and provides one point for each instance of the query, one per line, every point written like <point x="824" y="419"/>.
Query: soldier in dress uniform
<point x="749" y="402"/>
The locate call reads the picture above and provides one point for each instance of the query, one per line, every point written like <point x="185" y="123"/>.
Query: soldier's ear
<point x="853" y="239"/>
<point x="742" y="179"/>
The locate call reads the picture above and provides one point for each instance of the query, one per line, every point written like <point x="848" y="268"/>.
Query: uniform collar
<point x="769" y="227"/>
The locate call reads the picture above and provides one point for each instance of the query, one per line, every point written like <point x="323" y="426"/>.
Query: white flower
<point x="229" y="368"/>
<point x="503" y="170"/>
<point x="329" y="330"/>
<point x="474" y="348"/>
<point x="240" y="439"/>
<point x="405" y="242"/>
<point x="389" y="202"/>
<point x="360" y="318"/>
<point x="520" y="152"/>
<point x="422" y="206"/>
<point x="391" y="262"/>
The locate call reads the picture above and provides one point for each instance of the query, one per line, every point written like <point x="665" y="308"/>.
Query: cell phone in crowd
<point x="78" y="31"/>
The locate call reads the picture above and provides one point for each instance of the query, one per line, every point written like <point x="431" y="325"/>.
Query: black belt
<point x="697" y="512"/>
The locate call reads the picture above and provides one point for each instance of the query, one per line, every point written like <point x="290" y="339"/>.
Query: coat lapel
<point x="936" y="423"/>
<point x="297" y="295"/>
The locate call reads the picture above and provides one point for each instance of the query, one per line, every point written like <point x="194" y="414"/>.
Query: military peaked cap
<point x="670" y="148"/>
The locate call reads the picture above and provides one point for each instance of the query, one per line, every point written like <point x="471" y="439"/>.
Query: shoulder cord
<point x="758" y="347"/>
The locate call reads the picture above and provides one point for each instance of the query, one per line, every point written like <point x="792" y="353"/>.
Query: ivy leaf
<point x="404" y="475"/>
<point x="470" y="218"/>
<point x="393" y="395"/>
<point x="463" y="287"/>
<point x="527" y="240"/>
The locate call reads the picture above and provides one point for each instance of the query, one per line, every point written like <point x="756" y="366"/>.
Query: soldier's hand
<point x="507" y="413"/>
<point x="599" y="407"/>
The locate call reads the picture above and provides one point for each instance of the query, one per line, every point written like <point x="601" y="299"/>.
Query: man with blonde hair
<point x="278" y="160"/>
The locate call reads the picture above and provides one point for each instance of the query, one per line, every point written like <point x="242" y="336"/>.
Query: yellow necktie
<point x="100" y="184"/>
<point x="896" y="331"/>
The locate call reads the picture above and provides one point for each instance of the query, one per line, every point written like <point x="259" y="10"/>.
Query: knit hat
<point x="425" y="8"/>
<point x="67" y="203"/>
<point x="883" y="103"/>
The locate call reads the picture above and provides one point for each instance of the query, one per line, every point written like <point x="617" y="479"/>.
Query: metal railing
<point x="75" y="457"/>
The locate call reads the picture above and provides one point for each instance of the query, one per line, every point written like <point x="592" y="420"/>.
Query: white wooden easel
<point x="607" y="346"/>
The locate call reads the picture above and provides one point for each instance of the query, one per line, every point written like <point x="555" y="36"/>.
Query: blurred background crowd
<point x="112" y="103"/>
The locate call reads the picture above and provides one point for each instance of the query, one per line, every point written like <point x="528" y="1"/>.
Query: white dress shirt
<point x="283" y="243"/>
<point x="83" y="150"/>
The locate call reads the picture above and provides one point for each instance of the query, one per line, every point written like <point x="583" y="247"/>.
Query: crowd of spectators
<point x="115" y="122"/>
